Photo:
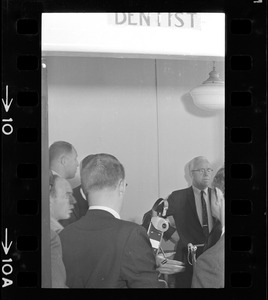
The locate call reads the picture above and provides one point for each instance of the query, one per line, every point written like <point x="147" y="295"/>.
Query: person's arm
<point x="171" y="205"/>
<point x="58" y="273"/>
<point x="139" y="263"/>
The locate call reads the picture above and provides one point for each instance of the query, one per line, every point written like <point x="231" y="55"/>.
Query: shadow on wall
<point x="191" y="108"/>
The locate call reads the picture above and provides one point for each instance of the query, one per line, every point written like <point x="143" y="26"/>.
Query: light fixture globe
<point x="210" y="95"/>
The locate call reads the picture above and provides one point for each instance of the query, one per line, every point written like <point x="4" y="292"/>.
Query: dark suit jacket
<point x="209" y="267"/>
<point x="214" y="235"/>
<point x="79" y="210"/>
<point x="183" y="209"/>
<point x="101" y="251"/>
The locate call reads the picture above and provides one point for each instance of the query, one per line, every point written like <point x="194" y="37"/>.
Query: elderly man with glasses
<point x="191" y="211"/>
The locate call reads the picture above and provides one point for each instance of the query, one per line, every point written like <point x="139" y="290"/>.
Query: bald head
<point x="63" y="159"/>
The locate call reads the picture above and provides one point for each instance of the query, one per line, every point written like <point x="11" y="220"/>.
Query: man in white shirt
<point x="192" y="215"/>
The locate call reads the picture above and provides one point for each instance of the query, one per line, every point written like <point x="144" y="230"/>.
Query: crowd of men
<point x="92" y="247"/>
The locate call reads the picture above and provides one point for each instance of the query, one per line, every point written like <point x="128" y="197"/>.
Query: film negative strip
<point x="25" y="209"/>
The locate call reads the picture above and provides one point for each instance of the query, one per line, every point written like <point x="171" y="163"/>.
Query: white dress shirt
<point x="55" y="173"/>
<point x="83" y="195"/>
<point x="223" y="230"/>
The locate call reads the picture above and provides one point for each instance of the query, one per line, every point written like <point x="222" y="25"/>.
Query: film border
<point x="245" y="162"/>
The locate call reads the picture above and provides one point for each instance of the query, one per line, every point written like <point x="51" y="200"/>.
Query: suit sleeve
<point x="58" y="273"/>
<point x="209" y="267"/>
<point x="138" y="264"/>
<point x="171" y="205"/>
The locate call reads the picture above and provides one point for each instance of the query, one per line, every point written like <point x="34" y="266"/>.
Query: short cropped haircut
<point x="219" y="180"/>
<point x="84" y="162"/>
<point x="59" y="148"/>
<point x="102" y="171"/>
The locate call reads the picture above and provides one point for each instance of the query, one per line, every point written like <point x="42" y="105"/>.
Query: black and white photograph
<point x="133" y="168"/>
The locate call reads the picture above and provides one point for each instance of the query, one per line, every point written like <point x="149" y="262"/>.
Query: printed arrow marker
<point x="5" y="102"/>
<point x="5" y="246"/>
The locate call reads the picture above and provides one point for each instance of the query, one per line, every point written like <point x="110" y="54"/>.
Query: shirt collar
<point x="199" y="191"/>
<point x="55" y="173"/>
<point x="110" y="210"/>
<point x="55" y="225"/>
<point x="82" y="193"/>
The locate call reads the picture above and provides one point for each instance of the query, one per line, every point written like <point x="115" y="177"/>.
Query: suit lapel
<point x="191" y="200"/>
<point x="214" y="220"/>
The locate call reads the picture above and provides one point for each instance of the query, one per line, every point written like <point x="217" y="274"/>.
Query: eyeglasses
<point x="202" y="171"/>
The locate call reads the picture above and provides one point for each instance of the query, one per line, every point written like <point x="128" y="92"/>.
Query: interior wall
<point x="185" y="131"/>
<point x="112" y="105"/>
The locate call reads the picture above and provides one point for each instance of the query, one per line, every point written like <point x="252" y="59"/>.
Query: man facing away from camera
<point x="191" y="211"/>
<point x="100" y="250"/>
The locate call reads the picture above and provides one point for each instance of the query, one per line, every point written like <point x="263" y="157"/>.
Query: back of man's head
<point x="84" y="163"/>
<point x="102" y="171"/>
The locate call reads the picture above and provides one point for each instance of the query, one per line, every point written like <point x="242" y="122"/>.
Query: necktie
<point x="204" y="215"/>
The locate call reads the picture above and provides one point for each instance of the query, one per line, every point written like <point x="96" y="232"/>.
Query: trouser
<point x="184" y="279"/>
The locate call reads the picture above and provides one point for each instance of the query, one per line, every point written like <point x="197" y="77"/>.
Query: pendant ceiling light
<point x="210" y="94"/>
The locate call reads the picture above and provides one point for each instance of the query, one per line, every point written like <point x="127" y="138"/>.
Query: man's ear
<point x="63" y="159"/>
<point x="122" y="186"/>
